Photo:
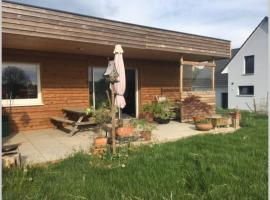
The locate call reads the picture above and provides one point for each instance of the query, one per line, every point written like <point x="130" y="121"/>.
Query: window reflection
<point x="99" y="87"/>
<point x="197" y="78"/>
<point x="19" y="82"/>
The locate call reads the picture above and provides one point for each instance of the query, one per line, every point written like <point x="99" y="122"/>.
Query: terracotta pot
<point x="204" y="127"/>
<point x="100" y="142"/>
<point x="198" y="118"/>
<point x="146" y="135"/>
<point x="125" y="131"/>
<point x="149" y="117"/>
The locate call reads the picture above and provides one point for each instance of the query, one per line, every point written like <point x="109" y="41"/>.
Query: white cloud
<point x="227" y="19"/>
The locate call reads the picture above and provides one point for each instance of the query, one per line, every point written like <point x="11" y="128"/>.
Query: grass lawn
<point x="231" y="166"/>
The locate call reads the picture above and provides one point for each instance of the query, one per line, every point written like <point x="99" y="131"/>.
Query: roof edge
<point x="110" y="20"/>
<point x="225" y="70"/>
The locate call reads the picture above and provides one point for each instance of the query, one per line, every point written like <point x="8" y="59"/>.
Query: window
<point x="98" y="86"/>
<point x="197" y="78"/>
<point x="249" y="64"/>
<point x="21" y="84"/>
<point x="246" y="90"/>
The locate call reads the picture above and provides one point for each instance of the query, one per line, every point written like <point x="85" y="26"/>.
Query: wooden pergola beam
<point x="207" y="64"/>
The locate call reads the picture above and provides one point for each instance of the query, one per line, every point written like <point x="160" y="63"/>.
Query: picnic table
<point x="79" y="119"/>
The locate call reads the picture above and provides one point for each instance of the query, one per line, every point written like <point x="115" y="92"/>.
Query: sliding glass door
<point x="99" y="90"/>
<point x="98" y="87"/>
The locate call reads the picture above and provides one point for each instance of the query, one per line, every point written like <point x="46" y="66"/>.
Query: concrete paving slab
<point x="52" y="144"/>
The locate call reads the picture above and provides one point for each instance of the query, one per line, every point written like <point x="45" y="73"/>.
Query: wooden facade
<point x="66" y="44"/>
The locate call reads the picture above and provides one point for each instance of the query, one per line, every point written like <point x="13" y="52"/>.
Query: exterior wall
<point x="159" y="78"/>
<point x="256" y="45"/>
<point x="64" y="83"/>
<point x="60" y="86"/>
<point x="219" y="91"/>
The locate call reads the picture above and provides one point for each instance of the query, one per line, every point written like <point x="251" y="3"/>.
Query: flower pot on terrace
<point x="100" y="141"/>
<point x="204" y="126"/>
<point x="198" y="118"/>
<point x="125" y="131"/>
<point x="149" y="117"/>
<point x="146" y="135"/>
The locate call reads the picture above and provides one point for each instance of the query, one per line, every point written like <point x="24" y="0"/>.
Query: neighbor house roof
<point x="32" y="27"/>
<point x="225" y="70"/>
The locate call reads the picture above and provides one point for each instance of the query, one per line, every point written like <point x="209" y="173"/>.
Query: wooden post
<point x="181" y="76"/>
<point x="113" y="120"/>
<point x="213" y="76"/>
<point x="181" y="84"/>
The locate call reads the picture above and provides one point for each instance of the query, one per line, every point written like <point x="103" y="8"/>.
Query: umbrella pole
<point x="113" y="120"/>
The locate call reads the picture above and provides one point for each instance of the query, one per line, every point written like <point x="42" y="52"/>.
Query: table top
<point x="79" y="111"/>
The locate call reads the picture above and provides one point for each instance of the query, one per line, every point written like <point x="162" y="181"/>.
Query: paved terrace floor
<point x="52" y="144"/>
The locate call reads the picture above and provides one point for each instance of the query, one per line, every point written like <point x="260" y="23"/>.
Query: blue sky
<point x="226" y="19"/>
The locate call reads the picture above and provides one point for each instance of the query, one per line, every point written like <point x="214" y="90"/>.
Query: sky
<point x="232" y="20"/>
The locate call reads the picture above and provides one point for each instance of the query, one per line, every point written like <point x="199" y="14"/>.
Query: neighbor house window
<point x="21" y="84"/>
<point x="246" y="90"/>
<point x="197" y="78"/>
<point x="249" y="64"/>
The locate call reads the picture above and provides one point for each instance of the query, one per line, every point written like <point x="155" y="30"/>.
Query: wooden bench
<point x="62" y="120"/>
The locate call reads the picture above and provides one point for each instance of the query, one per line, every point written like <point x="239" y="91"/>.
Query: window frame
<point x="245" y="65"/>
<point x="212" y="79"/>
<point x="245" y="95"/>
<point x="25" y="102"/>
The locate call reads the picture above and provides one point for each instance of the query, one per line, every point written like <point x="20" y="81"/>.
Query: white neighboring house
<point x="221" y="82"/>
<point x="248" y="70"/>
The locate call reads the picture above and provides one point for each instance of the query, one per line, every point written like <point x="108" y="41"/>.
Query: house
<point x="222" y="82"/>
<point x="59" y="58"/>
<point x="247" y="72"/>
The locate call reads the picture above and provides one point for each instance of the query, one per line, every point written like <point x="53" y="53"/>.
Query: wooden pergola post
<point x="181" y="83"/>
<point x="181" y="75"/>
<point x="213" y="75"/>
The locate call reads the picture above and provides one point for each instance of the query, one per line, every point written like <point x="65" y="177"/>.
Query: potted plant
<point x="203" y="125"/>
<point x="198" y="118"/>
<point x="125" y="131"/>
<point x="162" y="112"/>
<point x="147" y="112"/>
<point x="101" y="116"/>
<point x="144" y="128"/>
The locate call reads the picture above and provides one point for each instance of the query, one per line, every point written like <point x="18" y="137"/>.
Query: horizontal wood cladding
<point x="159" y="78"/>
<point x="64" y="83"/>
<point x="27" y="20"/>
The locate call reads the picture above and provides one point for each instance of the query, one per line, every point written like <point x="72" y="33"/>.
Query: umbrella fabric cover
<point x="120" y="85"/>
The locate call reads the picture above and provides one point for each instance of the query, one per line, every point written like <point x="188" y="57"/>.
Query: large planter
<point x="125" y="131"/>
<point x="198" y="118"/>
<point x="204" y="127"/>
<point x="5" y="126"/>
<point x="100" y="142"/>
<point x="146" y="135"/>
<point x="235" y="115"/>
<point x="162" y="121"/>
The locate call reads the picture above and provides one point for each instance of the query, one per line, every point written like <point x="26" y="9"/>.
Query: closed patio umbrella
<point x="118" y="88"/>
<point x="120" y="85"/>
